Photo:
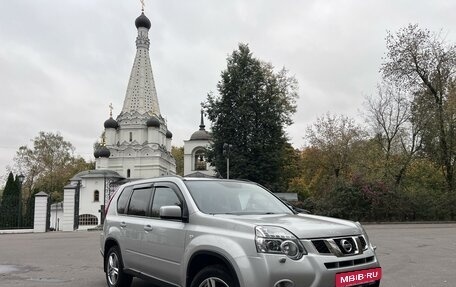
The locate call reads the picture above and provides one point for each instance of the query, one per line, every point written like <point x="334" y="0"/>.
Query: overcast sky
<point x="63" y="62"/>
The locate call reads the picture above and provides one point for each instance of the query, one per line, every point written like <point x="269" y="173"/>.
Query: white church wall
<point x="101" y="163"/>
<point x="190" y="149"/>
<point x="143" y="135"/>
<point x="152" y="135"/>
<point x="147" y="162"/>
<point x="162" y="137"/>
<point x="168" y="144"/>
<point x="110" y="135"/>
<point x="136" y="166"/>
<point x="129" y="135"/>
<point x="87" y="202"/>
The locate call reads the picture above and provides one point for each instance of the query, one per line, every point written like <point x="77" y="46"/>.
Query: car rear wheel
<point x="115" y="275"/>
<point x="213" y="276"/>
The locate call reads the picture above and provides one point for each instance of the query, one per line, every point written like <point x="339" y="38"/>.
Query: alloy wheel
<point x="213" y="282"/>
<point x="113" y="269"/>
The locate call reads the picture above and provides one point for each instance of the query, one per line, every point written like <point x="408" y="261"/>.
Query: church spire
<point x="202" y="126"/>
<point x="141" y="96"/>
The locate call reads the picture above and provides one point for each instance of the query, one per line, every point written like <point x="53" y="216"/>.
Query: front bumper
<point x="313" y="270"/>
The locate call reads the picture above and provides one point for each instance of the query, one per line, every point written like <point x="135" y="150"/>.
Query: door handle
<point x="148" y="227"/>
<point x="123" y="224"/>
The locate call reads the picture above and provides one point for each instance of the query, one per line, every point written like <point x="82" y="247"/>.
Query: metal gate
<point x="17" y="214"/>
<point x="48" y="215"/>
<point x="76" y="205"/>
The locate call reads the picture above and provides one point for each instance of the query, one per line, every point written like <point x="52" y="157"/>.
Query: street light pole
<point x="227" y="168"/>
<point x="21" y="178"/>
<point x="226" y="152"/>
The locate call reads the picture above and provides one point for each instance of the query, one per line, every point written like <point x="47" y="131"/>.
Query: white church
<point x="137" y="144"/>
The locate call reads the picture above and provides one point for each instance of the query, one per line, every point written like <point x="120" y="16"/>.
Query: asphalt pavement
<point x="416" y="255"/>
<point x="411" y="255"/>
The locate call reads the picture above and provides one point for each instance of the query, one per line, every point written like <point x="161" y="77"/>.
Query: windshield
<point x="233" y="197"/>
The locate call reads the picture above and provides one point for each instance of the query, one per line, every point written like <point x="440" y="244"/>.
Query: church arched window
<point x="128" y="173"/>
<point x="96" y="196"/>
<point x="200" y="160"/>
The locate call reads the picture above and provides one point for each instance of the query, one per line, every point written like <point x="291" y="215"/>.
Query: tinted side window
<point x="122" y="201"/>
<point x="139" y="202"/>
<point x="164" y="196"/>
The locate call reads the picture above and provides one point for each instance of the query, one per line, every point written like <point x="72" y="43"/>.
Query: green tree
<point x="425" y="191"/>
<point x="48" y="165"/>
<point x="396" y="129"/>
<point x="253" y="107"/>
<point x="313" y="175"/>
<point x="178" y="154"/>
<point x="291" y="170"/>
<point x="9" y="206"/>
<point x="405" y="168"/>
<point x="335" y="139"/>
<point x="424" y="64"/>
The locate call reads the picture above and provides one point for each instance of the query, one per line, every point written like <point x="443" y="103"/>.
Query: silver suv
<point x="194" y="232"/>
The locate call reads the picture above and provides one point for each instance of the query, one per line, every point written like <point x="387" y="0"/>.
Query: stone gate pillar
<point x="68" y="208"/>
<point x="41" y="212"/>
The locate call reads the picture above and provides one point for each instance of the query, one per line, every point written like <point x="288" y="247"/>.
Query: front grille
<point x="346" y="245"/>
<point x="363" y="242"/>
<point x="341" y="246"/>
<point x="321" y="247"/>
<point x="349" y="263"/>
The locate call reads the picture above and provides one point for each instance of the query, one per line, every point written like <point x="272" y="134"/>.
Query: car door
<point x="164" y="238"/>
<point x="132" y="227"/>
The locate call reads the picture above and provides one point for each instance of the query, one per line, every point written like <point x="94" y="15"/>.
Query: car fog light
<point x="284" y="283"/>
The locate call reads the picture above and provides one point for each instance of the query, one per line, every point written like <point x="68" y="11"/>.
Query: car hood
<point x="304" y="226"/>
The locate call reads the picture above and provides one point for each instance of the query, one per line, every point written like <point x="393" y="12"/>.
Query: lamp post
<point x="226" y="152"/>
<point x="21" y="178"/>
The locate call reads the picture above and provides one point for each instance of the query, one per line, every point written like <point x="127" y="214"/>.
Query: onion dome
<point x="111" y="124"/>
<point x="169" y="134"/>
<point x="102" y="152"/>
<point x="142" y="21"/>
<point x="153" y="122"/>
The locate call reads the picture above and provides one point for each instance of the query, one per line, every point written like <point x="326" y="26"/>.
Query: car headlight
<point x="364" y="233"/>
<point x="277" y="240"/>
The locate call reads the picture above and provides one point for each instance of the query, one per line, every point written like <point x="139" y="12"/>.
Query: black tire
<point x="215" y="274"/>
<point x="115" y="275"/>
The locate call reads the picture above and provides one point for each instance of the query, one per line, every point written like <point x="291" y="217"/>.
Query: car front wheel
<point x="213" y="276"/>
<point x="115" y="275"/>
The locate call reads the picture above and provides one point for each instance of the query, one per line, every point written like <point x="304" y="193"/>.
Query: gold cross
<point x="110" y="109"/>
<point x="142" y="4"/>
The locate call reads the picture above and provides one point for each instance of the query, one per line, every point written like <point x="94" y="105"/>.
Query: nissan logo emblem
<point x="346" y="245"/>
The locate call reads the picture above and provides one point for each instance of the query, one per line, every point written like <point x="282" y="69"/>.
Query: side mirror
<point x="171" y="212"/>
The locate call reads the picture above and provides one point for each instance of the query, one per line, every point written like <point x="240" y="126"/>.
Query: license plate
<point x="358" y="277"/>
